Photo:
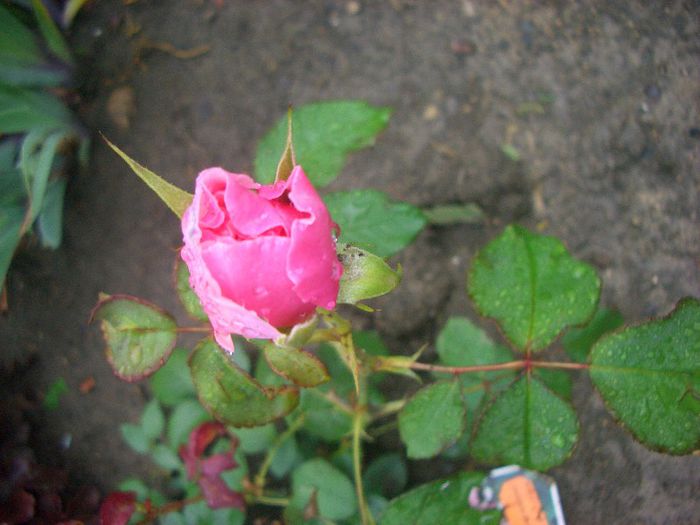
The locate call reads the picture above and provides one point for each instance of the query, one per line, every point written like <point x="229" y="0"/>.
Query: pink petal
<point x="312" y="265"/>
<point x="251" y="215"/>
<point x="225" y="315"/>
<point x="253" y="274"/>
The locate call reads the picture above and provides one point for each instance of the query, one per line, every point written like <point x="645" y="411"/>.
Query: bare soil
<point x="600" y="99"/>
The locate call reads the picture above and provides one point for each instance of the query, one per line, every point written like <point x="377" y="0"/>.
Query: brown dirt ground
<point x="610" y="165"/>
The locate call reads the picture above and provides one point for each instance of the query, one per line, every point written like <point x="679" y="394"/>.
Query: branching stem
<point x="357" y="430"/>
<point x="511" y="365"/>
<point x="152" y="513"/>
<point x="271" y="452"/>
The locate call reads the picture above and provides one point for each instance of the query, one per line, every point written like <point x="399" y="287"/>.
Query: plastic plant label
<point x="525" y="496"/>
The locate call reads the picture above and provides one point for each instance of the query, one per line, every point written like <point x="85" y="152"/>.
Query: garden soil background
<point x="597" y="103"/>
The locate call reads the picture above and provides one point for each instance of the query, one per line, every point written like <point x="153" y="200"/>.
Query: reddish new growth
<point x="207" y="470"/>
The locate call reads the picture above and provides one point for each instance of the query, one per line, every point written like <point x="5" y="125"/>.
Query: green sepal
<point x="365" y="275"/>
<point x="176" y="199"/>
<point x="287" y="161"/>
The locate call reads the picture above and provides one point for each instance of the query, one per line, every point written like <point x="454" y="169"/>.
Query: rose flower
<point x="261" y="257"/>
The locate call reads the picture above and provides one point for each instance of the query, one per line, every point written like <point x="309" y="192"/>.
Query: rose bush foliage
<point x="261" y="257"/>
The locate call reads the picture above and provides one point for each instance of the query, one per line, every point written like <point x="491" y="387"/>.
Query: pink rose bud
<point x="260" y="257"/>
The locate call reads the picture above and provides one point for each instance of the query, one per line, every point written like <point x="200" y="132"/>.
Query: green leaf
<point x="139" y="335"/>
<point x="342" y="380"/>
<point x="37" y="155"/>
<point x="185" y="416"/>
<point x="527" y="425"/>
<point x="451" y="214"/>
<point x="462" y="343"/>
<point x="187" y="296"/>
<point x="369" y="220"/>
<point x="17" y="42"/>
<point x="286" y="458"/>
<point x="370" y="341"/>
<point x="558" y="381"/>
<point x="240" y="357"/>
<point x="134" y="485"/>
<point x="11" y="220"/>
<point x="231" y="395"/>
<point x="237" y="477"/>
<point x="257" y="439"/>
<point x="386" y="475"/>
<point x="649" y="377"/>
<point x="300" y="367"/>
<point x="23" y="109"/>
<point x="364" y="275"/>
<point x="54" y="393"/>
<point x="41" y="75"/>
<point x="433" y="419"/>
<point x="55" y="41"/>
<point x="334" y="492"/>
<point x="322" y="418"/>
<point x="444" y="501"/>
<point x="532" y="287"/>
<point x="264" y="374"/>
<point x="324" y="133"/>
<point x="135" y="437"/>
<point x="579" y="341"/>
<point x="50" y="219"/>
<point x="172" y="518"/>
<point x="165" y="457"/>
<point x="172" y="384"/>
<point x="152" y="420"/>
<point x="176" y="199"/>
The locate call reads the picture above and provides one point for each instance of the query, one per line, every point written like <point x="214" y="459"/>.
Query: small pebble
<point x="463" y="47"/>
<point x="352" y="8"/>
<point x="652" y="92"/>
<point x="431" y="112"/>
<point x="694" y="133"/>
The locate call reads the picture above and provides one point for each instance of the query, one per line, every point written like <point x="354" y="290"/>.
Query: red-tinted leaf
<point x="216" y="464"/>
<point x="204" y="435"/>
<point x="117" y="508"/>
<point x="218" y="495"/>
<point x="206" y="471"/>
